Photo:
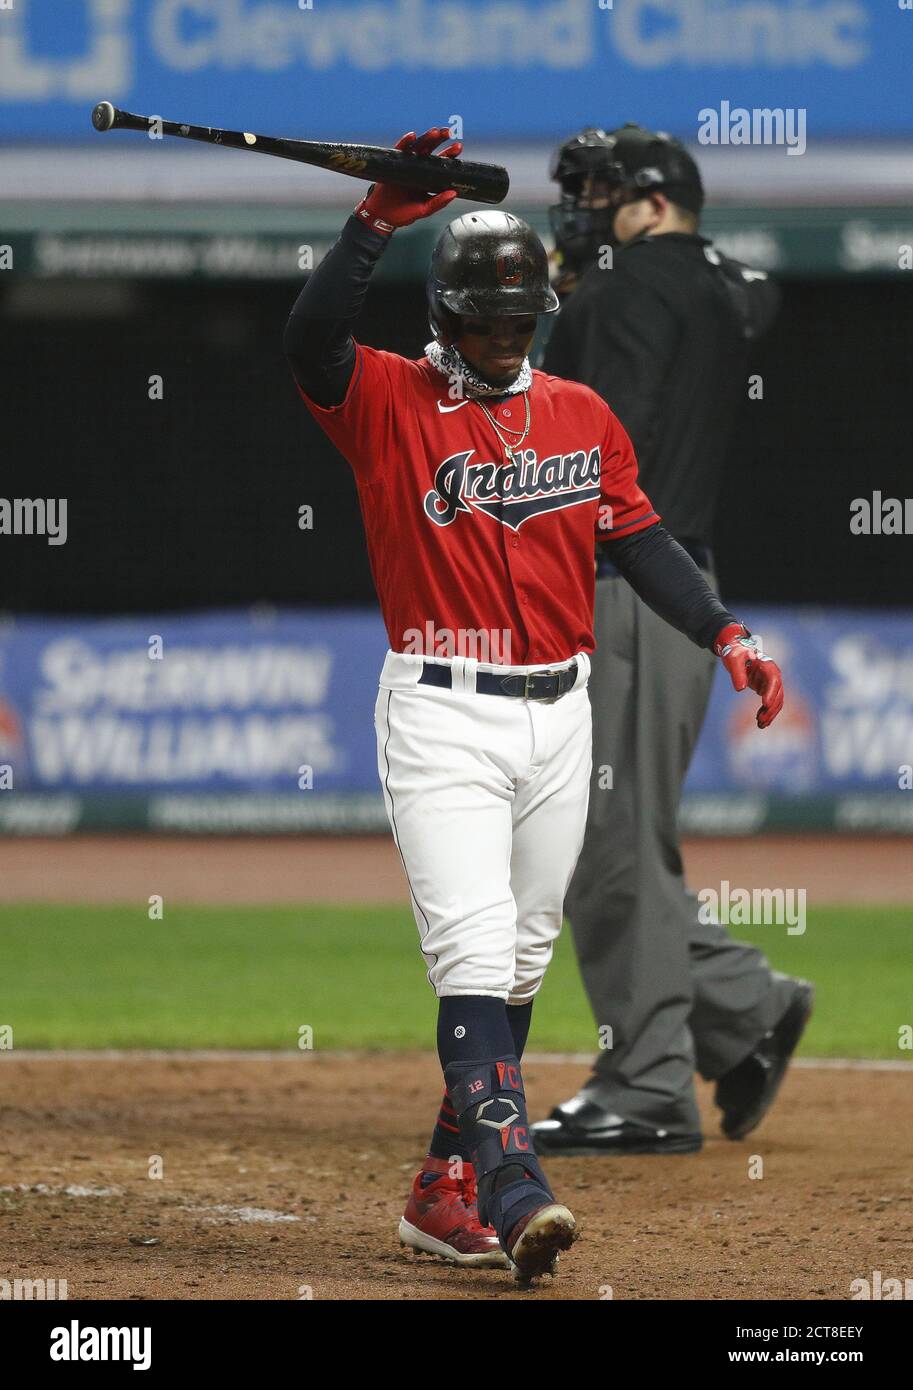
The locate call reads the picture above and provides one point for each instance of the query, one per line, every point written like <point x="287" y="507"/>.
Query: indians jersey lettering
<point x="513" y="492"/>
<point x="461" y="537"/>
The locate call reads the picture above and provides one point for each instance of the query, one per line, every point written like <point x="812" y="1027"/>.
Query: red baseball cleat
<point x="443" y="1219"/>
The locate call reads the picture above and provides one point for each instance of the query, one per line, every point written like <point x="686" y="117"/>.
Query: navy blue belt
<point x="536" y="685"/>
<point x="702" y="556"/>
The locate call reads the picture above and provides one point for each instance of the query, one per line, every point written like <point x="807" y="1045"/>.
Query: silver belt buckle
<point x="548" y="675"/>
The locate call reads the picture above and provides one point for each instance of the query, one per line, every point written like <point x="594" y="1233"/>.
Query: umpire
<point x="659" y="323"/>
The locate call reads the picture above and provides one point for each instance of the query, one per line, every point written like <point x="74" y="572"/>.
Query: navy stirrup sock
<point x="446" y="1141"/>
<point x="488" y="1097"/>
<point x="480" y="1041"/>
<point x="468" y="1025"/>
<point x="519" y="1017"/>
<point x="471" y="1026"/>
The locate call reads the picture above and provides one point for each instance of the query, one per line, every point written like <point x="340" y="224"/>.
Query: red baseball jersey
<point x="463" y="542"/>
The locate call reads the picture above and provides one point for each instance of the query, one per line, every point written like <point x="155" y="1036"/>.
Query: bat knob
<point x="103" y="116"/>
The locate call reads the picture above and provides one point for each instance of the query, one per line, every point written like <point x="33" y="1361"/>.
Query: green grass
<point x="88" y="977"/>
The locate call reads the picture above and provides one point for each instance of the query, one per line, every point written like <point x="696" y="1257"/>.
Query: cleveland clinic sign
<point x="591" y="57"/>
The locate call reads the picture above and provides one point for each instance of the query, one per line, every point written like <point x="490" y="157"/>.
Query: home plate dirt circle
<point x="285" y="1178"/>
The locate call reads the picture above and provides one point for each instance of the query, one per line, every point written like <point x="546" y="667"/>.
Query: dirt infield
<point x="291" y="869"/>
<point x="288" y="1174"/>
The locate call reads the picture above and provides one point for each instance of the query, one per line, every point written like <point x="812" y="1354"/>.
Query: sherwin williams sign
<point x="242" y="702"/>
<point x="346" y="68"/>
<point x="217" y="702"/>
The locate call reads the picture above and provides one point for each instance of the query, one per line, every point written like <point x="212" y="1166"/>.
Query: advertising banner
<point x="264" y="721"/>
<point x="210" y="702"/>
<point x="347" y="68"/>
<point x="847" y="724"/>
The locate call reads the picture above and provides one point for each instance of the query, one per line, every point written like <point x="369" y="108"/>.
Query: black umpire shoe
<point x="746" y="1093"/>
<point x="581" y="1126"/>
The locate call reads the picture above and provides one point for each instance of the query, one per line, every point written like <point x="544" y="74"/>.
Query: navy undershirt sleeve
<point x="318" y="335"/>
<point x="664" y="575"/>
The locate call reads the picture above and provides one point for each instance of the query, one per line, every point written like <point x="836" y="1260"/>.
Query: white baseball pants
<point x="487" y="799"/>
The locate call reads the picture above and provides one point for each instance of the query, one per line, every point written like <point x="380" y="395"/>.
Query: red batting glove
<point x="749" y="668"/>
<point x="387" y="206"/>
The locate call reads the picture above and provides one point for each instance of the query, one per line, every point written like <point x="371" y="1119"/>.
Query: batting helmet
<point x="634" y="163"/>
<point x="487" y="263"/>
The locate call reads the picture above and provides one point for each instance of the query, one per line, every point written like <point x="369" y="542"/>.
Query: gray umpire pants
<point x="677" y="994"/>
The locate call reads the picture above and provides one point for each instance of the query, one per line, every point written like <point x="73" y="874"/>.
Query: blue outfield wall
<point x="263" y="721"/>
<point x="346" y="69"/>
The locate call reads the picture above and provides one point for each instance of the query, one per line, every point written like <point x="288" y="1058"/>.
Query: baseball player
<point x="482" y="485"/>
<point x="662" y="332"/>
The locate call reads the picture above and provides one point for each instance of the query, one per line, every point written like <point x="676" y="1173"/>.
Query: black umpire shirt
<point x="663" y="337"/>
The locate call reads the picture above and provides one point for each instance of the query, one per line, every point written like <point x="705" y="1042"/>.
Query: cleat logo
<point x="507" y="1119"/>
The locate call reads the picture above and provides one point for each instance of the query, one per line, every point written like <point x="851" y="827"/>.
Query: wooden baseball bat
<point x="483" y="183"/>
